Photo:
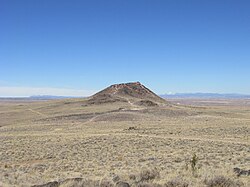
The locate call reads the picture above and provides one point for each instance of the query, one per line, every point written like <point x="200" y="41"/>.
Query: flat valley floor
<point x="44" y="141"/>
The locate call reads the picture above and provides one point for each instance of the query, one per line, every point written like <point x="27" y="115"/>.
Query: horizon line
<point x="25" y="92"/>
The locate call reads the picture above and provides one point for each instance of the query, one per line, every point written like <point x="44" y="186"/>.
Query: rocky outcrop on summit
<point x="124" y="93"/>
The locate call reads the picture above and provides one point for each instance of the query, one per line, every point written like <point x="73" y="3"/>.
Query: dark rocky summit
<point x="127" y="91"/>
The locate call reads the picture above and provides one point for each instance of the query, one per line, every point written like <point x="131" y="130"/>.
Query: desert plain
<point x="74" y="142"/>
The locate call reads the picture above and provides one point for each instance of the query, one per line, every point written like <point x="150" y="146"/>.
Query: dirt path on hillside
<point x="36" y="112"/>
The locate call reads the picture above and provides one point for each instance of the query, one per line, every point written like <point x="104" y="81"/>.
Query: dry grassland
<point x="103" y="144"/>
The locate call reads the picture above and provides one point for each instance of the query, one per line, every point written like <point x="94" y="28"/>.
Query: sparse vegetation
<point x="193" y="163"/>
<point x="149" y="174"/>
<point x="221" y="181"/>
<point x="147" y="178"/>
<point x="177" y="182"/>
<point x="76" y="145"/>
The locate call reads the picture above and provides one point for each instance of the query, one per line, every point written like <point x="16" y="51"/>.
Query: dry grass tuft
<point x="145" y="184"/>
<point x="177" y="182"/>
<point x="221" y="181"/>
<point x="106" y="183"/>
<point x="149" y="174"/>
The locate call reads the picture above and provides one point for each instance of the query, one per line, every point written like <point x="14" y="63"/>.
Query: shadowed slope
<point x="126" y="92"/>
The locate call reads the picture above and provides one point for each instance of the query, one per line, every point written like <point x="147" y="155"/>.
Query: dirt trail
<point x="132" y="104"/>
<point x="36" y="112"/>
<point x="116" y="90"/>
<point x="134" y="107"/>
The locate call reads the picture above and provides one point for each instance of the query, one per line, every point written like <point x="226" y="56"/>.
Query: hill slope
<point x="127" y="92"/>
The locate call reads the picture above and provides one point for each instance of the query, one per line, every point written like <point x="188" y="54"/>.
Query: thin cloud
<point x="29" y="91"/>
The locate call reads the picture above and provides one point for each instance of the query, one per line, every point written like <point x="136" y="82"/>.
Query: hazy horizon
<point x="78" y="48"/>
<point x="59" y="92"/>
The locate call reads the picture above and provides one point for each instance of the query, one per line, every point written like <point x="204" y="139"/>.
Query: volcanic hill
<point x="133" y="92"/>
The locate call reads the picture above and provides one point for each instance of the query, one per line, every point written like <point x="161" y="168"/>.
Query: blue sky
<point x="79" y="47"/>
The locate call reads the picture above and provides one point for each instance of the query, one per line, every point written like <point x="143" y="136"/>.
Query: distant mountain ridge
<point x="48" y="97"/>
<point x="205" y="95"/>
<point x="165" y="96"/>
